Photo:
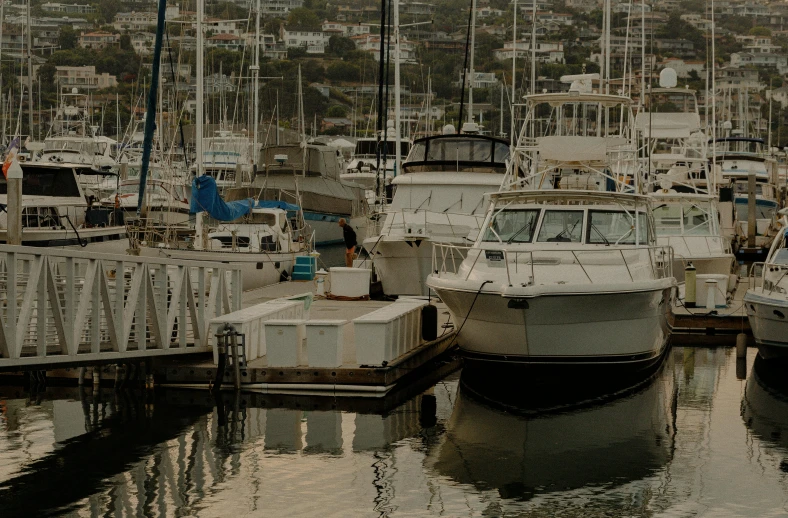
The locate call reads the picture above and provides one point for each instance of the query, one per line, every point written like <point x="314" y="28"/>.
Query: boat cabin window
<point x="781" y="257"/>
<point x="762" y="210"/>
<point x="742" y="188"/>
<point x="610" y="227"/>
<point x="40" y="217"/>
<point x="46" y="181"/>
<point x="690" y="220"/>
<point x="512" y="226"/>
<point x="263" y="218"/>
<point x="561" y="226"/>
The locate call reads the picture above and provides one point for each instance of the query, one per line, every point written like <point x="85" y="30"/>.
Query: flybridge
<point x="467" y="153"/>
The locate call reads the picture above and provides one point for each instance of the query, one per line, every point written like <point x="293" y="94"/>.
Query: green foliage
<point x="227" y="10"/>
<point x="340" y="46"/>
<point x="125" y="42"/>
<point x="760" y="31"/>
<point x="108" y="9"/>
<point x="337" y="110"/>
<point x="304" y="18"/>
<point x="343" y="71"/>
<point x="68" y="37"/>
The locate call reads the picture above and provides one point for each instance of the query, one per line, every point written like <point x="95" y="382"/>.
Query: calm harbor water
<point x="692" y="441"/>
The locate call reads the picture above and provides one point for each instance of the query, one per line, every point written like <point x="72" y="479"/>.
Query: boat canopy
<point x="457" y="153"/>
<point x="205" y="197"/>
<point x="276" y="204"/>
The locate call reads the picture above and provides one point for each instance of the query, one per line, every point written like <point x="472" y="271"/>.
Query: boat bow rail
<point x="64" y="307"/>
<point x="531" y="267"/>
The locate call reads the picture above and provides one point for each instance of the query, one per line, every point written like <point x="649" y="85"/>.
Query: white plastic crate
<point x="285" y="340"/>
<point x="324" y="342"/>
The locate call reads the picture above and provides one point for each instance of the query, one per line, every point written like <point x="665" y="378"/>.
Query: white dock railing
<point x="70" y="306"/>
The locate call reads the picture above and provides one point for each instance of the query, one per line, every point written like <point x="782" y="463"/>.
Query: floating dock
<point x="311" y="345"/>
<point x="707" y="326"/>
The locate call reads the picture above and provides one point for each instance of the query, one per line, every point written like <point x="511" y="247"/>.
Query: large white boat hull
<point x="402" y="264"/>
<point x="257" y="269"/>
<point x="768" y="318"/>
<point x="625" y="327"/>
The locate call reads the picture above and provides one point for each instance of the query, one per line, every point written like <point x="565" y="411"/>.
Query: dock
<point x="348" y="377"/>
<point x="712" y="327"/>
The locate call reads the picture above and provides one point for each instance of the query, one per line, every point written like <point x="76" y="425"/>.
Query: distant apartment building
<point x="54" y="7"/>
<point x="371" y="43"/>
<point x="347" y="30"/>
<point x="83" y="78"/>
<point x="481" y="80"/>
<point x="279" y="8"/>
<point x="140" y="21"/>
<point x="314" y="42"/>
<point x="98" y="40"/>
<point x="749" y="59"/>
<point x="225" y="41"/>
<point x="546" y="52"/>
<point x="737" y="77"/>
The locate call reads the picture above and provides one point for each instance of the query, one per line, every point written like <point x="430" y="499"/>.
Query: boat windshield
<point x="780" y="257"/>
<point x="369" y="148"/>
<point x="457" y="153"/>
<point x="688" y="220"/>
<point x="512" y="226"/>
<point x="615" y="227"/>
<point x="763" y="209"/>
<point x="263" y="218"/>
<point x="562" y="226"/>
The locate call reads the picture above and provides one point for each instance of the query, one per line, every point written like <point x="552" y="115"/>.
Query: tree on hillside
<point x="108" y="9"/>
<point x="304" y="18"/>
<point x="760" y="31"/>
<point x="67" y="39"/>
<point x="340" y="45"/>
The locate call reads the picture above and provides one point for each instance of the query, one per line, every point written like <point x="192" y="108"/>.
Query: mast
<point x="471" y="74"/>
<point x="200" y="87"/>
<point x="255" y="86"/>
<point x="514" y="73"/>
<point x="150" y="118"/>
<point x="714" y="98"/>
<point x="29" y="71"/>
<point x="397" y="120"/>
<point x="533" y="49"/>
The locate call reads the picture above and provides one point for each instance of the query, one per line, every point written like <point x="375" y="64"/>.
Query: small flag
<point x="13" y="147"/>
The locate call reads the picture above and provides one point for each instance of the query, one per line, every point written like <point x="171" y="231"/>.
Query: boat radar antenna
<point x="668" y="78"/>
<point x="581" y="83"/>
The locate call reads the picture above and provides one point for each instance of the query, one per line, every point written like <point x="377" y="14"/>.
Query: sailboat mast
<point x="471" y="74"/>
<point x="198" y="164"/>
<point x="397" y="119"/>
<point x="514" y="72"/>
<point x="29" y="70"/>
<point x="256" y="86"/>
<point x="533" y="49"/>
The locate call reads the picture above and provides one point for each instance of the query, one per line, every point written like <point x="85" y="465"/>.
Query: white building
<point x="371" y="43"/>
<point x="749" y="59"/>
<point x="142" y="43"/>
<point x="546" y="52"/>
<point x="55" y="7"/>
<point x="683" y="67"/>
<point x="347" y="30"/>
<point x="697" y="21"/>
<point x="481" y="80"/>
<point x="279" y="8"/>
<point x="314" y="42"/>
<point x="140" y="21"/>
<point x="84" y="78"/>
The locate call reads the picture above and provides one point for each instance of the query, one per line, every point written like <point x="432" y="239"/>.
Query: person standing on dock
<point x="350" y="242"/>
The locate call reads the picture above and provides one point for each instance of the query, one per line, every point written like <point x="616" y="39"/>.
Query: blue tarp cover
<point x="205" y="197"/>
<point x="265" y="204"/>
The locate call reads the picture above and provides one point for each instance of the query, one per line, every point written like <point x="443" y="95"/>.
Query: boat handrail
<point x="390" y="224"/>
<point x="765" y="268"/>
<point x="447" y="259"/>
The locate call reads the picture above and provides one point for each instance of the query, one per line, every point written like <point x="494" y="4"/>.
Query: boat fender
<point x="690" y="277"/>
<point x="429" y="322"/>
<point x="284" y="276"/>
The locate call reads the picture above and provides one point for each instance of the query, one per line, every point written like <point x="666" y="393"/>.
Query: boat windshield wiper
<point x="593" y="227"/>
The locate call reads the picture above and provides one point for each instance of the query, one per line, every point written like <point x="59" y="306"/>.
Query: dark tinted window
<point x="45" y="181"/>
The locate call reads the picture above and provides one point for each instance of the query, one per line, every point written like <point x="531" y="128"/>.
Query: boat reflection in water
<point x="765" y="409"/>
<point x="530" y="450"/>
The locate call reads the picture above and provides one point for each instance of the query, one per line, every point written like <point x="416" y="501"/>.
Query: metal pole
<point x="256" y="86"/>
<point x="200" y="89"/>
<point x="533" y="49"/>
<point x="29" y="72"/>
<point x="471" y="74"/>
<point x="397" y="121"/>
<point x="514" y="74"/>
<point x="751" y="207"/>
<point x="14" y="225"/>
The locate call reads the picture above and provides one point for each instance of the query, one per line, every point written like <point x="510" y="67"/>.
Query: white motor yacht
<point x="438" y="198"/>
<point x="689" y="223"/>
<point x="566" y="270"/>
<point x="166" y="196"/>
<point x="56" y="212"/>
<point x="767" y="302"/>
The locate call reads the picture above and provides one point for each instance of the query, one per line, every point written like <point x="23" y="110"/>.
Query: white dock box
<point x="389" y="332"/>
<point x="285" y="341"/>
<point x="350" y="282"/>
<point x="324" y="341"/>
